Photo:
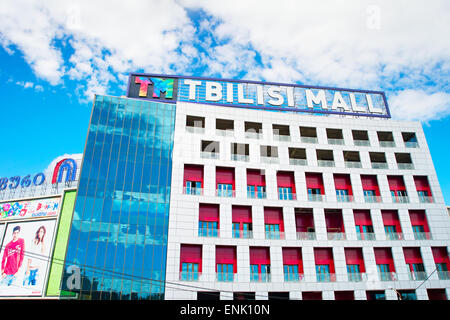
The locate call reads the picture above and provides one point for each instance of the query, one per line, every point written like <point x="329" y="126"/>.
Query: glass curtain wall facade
<point x="118" y="238"/>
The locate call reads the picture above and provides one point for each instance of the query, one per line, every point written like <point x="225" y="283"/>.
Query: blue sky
<point x="55" y="55"/>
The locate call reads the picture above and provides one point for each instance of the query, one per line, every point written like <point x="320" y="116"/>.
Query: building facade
<point x="197" y="188"/>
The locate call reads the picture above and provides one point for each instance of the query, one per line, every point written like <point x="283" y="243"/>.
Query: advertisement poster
<point x="24" y="257"/>
<point x="29" y="209"/>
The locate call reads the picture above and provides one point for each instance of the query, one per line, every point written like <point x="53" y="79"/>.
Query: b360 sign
<point x="67" y="164"/>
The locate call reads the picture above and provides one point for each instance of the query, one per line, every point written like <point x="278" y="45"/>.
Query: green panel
<point x="62" y="237"/>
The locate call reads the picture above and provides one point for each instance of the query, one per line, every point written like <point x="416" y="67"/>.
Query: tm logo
<point x="159" y="85"/>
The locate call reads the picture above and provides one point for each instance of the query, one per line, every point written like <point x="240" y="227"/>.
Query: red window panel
<point x="286" y="180"/>
<point x="256" y="177"/>
<point x="225" y="176"/>
<point x="314" y="181"/>
<point x="303" y="221"/>
<point x="384" y="256"/>
<point x="242" y="214"/>
<point x="342" y="182"/>
<point x="418" y="218"/>
<point x="259" y="255"/>
<point x="390" y="218"/>
<point x="226" y="255"/>
<point x="324" y="256"/>
<point x="193" y="173"/>
<point x="208" y="212"/>
<point x="293" y="256"/>
<point x="396" y="183"/>
<point x="355" y="256"/>
<point x="190" y="253"/>
<point x="440" y="255"/>
<point x="274" y="216"/>
<point x="422" y="184"/>
<point x="362" y="217"/>
<point x="370" y="183"/>
<point x="412" y="255"/>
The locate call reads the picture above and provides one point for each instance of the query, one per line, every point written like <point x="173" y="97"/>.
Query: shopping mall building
<point x="197" y="188"/>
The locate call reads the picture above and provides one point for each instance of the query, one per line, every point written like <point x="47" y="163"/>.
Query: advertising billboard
<point x="29" y="209"/>
<point x="24" y="255"/>
<point x="258" y="95"/>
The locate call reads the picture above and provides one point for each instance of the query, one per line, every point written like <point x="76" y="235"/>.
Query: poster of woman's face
<point x="24" y="257"/>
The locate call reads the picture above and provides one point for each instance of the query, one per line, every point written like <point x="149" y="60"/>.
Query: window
<point x="297" y="156"/>
<point x="291" y="273"/>
<point x="442" y="261"/>
<point x="281" y="132"/>
<point x="376" y="295"/>
<point x="308" y="134"/>
<point x="423" y="189"/>
<point x="195" y="124"/>
<point x="193" y="187"/>
<point x="335" y="136"/>
<point x="410" y="140"/>
<point x="360" y="138"/>
<point x="242" y="222"/>
<point x="407" y="294"/>
<point x="404" y="161"/>
<point x="224" y="127"/>
<point x="259" y="264"/>
<point x="385" y="264"/>
<point x="269" y="154"/>
<point x="190" y="262"/>
<point x="370" y="188"/>
<point x="386" y="139"/>
<point x="354" y="273"/>
<point x="210" y="149"/>
<point x="352" y="159"/>
<point x="355" y="264"/>
<point x="189" y="272"/>
<point x="253" y="130"/>
<point x="225" y="263"/>
<point x="334" y="224"/>
<point x="239" y="152"/>
<point x="225" y="182"/>
<point x="419" y="224"/>
<point x="256" y="184"/>
<point x="207" y="229"/>
<point x="273" y="223"/>
<point x="193" y="179"/>
<point x="286" y="185"/>
<point x="314" y="186"/>
<point x="323" y="273"/>
<point x="208" y="225"/>
<point x="324" y="264"/>
<point x="285" y="193"/>
<point x="378" y="160"/>
<point x="392" y="226"/>
<point x="304" y="223"/>
<point x="325" y="158"/>
<point x="343" y="187"/>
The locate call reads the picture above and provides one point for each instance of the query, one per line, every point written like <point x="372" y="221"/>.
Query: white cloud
<point x="419" y="105"/>
<point x="377" y="44"/>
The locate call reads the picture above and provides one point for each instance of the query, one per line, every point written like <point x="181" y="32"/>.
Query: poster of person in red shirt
<point x="24" y="257"/>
